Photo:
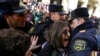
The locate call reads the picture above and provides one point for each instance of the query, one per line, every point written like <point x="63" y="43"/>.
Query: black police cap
<point x="80" y="12"/>
<point x="13" y="6"/>
<point x="56" y="8"/>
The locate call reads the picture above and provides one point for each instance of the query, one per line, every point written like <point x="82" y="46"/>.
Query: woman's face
<point x="65" y="36"/>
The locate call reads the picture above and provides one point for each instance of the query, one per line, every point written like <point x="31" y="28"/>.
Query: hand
<point x="34" y="45"/>
<point x="28" y="53"/>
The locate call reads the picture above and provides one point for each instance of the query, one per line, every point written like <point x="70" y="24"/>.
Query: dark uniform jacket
<point x="83" y="40"/>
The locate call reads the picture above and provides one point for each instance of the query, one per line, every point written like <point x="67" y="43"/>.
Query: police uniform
<point x="83" y="40"/>
<point x="8" y="7"/>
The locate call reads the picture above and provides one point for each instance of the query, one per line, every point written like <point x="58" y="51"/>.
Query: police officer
<point x="83" y="40"/>
<point x="13" y="16"/>
<point x="56" y="12"/>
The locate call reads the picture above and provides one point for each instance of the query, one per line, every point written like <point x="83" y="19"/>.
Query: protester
<point x="57" y="40"/>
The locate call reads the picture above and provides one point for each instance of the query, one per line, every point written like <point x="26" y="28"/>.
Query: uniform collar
<point x="83" y="26"/>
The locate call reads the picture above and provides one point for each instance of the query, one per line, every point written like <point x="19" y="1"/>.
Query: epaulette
<point x="31" y="29"/>
<point x="40" y="22"/>
<point x="82" y="31"/>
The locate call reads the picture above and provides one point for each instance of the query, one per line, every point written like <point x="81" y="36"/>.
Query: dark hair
<point x="54" y="34"/>
<point x="13" y="42"/>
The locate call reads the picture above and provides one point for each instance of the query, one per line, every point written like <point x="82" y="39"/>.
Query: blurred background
<point x="69" y="5"/>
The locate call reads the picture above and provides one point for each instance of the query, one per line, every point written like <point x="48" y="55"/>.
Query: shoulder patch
<point x="79" y="45"/>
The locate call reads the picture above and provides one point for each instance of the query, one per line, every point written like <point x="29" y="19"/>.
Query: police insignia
<point x="79" y="45"/>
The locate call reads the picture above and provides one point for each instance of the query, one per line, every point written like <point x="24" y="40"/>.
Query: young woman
<point x="57" y="40"/>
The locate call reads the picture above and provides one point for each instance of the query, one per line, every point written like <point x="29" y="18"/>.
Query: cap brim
<point x="62" y="13"/>
<point x="19" y="11"/>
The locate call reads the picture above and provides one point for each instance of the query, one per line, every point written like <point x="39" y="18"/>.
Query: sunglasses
<point x="65" y="31"/>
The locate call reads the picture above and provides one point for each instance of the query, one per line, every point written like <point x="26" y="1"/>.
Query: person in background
<point x="29" y="16"/>
<point x="16" y="43"/>
<point x="83" y="34"/>
<point x="95" y="21"/>
<point x="13" y="42"/>
<point x="38" y="15"/>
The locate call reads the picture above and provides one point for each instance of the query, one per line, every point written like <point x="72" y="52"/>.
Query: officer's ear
<point x="7" y="16"/>
<point x="81" y="20"/>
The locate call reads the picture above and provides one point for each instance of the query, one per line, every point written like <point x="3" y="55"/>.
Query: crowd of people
<point x="24" y="32"/>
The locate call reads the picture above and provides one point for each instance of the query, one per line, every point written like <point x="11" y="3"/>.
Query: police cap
<point x="79" y="12"/>
<point x="12" y="6"/>
<point x="56" y="8"/>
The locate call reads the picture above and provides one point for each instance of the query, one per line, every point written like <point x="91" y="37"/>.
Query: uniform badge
<point x="79" y="45"/>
